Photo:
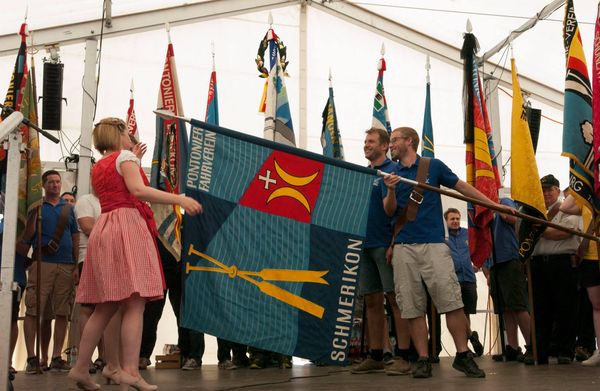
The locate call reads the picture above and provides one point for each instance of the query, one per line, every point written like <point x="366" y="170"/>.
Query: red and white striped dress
<point x="122" y="258"/>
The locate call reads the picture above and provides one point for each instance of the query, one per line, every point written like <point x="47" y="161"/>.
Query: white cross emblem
<point x="267" y="179"/>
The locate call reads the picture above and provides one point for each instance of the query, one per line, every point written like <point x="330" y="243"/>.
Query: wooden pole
<point x="533" y="336"/>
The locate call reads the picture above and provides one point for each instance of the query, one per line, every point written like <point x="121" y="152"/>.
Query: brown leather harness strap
<point x="54" y="243"/>
<point x="409" y="212"/>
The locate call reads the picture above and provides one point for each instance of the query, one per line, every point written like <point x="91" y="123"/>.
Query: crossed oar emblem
<point x="266" y="275"/>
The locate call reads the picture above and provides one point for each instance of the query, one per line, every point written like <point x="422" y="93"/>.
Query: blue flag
<point x="427" y="147"/>
<point x="273" y="260"/>
<point x="578" y="131"/>
<point x="330" y="134"/>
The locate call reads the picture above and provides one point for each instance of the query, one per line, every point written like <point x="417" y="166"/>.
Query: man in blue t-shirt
<point x="508" y="286"/>
<point x="458" y="242"/>
<point x="421" y="256"/>
<point x="376" y="276"/>
<point x="58" y="276"/>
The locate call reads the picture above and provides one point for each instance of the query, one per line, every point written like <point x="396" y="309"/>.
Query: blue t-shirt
<point x="50" y="217"/>
<point x="379" y="224"/>
<point x="458" y="241"/>
<point x="19" y="274"/>
<point x="428" y="227"/>
<point x="506" y="245"/>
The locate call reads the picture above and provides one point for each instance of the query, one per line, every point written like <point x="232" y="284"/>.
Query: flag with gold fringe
<point x="482" y="169"/>
<point x="22" y="96"/>
<point x="596" y="103"/>
<point x="427" y="146"/>
<point x="331" y="140"/>
<point x="524" y="186"/>
<point x="169" y="161"/>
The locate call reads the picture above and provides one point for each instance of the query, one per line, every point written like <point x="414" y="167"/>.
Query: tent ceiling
<point x="407" y="22"/>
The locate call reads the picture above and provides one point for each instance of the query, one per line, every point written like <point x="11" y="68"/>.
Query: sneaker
<point x="12" y="371"/>
<point x="258" y="362"/>
<point x="44" y="366"/>
<point x="57" y="364"/>
<point x="227" y="364"/>
<point x="398" y="367"/>
<point x="594" y="360"/>
<point x="368" y="366"/>
<point x="434" y="359"/>
<point x="388" y="358"/>
<point x="241" y="362"/>
<point x="467" y="365"/>
<point x="423" y="369"/>
<point x="477" y="346"/>
<point x="564" y="360"/>
<point x="286" y="362"/>
<point x="510" y="354"/>
<point x="144" y="363"/>
<point x="582" y="354"/>
<point x="191" y="364"/>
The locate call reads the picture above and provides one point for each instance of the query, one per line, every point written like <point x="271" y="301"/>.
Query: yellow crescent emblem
<point x="294" y="181"/>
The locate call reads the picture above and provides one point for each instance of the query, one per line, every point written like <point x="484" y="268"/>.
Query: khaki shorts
<point x="429" y="264"/>
<point x="56" y="289"/>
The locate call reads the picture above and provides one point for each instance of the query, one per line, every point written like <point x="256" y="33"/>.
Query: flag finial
<point x="382" y="49"/>
<point x="330" y="78"/>
<point x="427" y="67"/>
<point x="469" y="26"/>
<point x="26" y="13"/>
<point x="212" y="51"/>
<point x="270" y="20"/>
<point x="131" y="87"/>
<point x="168" y="30"/>
<point x="510" y="46"/>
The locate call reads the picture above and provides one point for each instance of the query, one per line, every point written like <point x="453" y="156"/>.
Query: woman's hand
<point x="191" y="206"/>
<point x="139" y="150"/>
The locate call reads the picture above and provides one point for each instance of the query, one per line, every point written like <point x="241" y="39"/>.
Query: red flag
<point x="482" y="170"/>
<point x="131" y="121"/>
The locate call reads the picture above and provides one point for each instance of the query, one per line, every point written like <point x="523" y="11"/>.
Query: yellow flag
<point x="524" y="177"/>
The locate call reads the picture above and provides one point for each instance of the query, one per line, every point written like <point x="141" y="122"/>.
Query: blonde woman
<point x="122" y="267"/>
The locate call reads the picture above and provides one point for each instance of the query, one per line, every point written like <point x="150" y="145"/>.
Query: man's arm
<point x="467" y="190"/>
<point x="86" y="224"/>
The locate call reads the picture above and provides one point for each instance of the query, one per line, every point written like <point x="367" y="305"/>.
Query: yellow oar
<point x="289" y="275"/>
<point x="266" y="274"/>
<point x="287" y="297"/>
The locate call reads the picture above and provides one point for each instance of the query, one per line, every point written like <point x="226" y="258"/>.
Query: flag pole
<point x="533" y="334"/>
<point x="501" y="324"/>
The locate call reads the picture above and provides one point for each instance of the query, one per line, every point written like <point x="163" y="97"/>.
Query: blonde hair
<point x="107" y="134"/>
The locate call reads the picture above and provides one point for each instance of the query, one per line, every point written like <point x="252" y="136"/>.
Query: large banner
<point x="273" y="260"/>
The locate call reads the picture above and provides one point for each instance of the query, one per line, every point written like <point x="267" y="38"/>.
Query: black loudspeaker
<point x="52" y="98"/>
<point x="534" y="118"/>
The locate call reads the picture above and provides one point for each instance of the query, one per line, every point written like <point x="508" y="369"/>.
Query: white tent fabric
<point x="350" y="51"/>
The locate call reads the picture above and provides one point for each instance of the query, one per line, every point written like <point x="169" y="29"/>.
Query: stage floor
<point x="500" y="376"/>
